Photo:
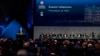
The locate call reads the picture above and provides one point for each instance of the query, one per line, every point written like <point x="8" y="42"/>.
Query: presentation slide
<point x="67" y="13"/>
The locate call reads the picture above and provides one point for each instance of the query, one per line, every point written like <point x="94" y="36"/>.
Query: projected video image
<point x="67" y="13"/>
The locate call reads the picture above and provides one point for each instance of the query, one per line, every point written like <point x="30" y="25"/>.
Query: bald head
<point x="22" y="52"/>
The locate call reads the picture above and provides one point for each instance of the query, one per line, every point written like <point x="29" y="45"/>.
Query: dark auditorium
<point x="49" y="28"/>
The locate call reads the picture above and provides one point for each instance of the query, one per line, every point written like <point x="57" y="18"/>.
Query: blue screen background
<point x="64" y="19"/>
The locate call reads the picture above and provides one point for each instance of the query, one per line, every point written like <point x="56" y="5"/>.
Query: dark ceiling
<point x="14" y="9"/>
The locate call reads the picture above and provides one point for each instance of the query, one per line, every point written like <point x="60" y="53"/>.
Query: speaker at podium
<point x="20" y="35"/>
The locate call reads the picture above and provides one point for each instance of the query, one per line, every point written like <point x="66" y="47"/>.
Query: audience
<point x="49" y="47"/>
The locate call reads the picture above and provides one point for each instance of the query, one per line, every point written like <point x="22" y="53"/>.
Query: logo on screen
<point x="42" y="6"/>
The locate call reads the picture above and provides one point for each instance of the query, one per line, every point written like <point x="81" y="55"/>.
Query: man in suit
<point x="85" y="35"/>
<point x="72" y="35"/>
<point x="78" y="49"/>
<point x="59" y="35"/>
<point x="47" y="35"/>
<point x="79" y="35"/>
<point x="92" y="35"/>
<point x="42" y="35"/>
<point x="98" y="36"/>
<point x="65" y="35"/>
<point x="53" y="35"/>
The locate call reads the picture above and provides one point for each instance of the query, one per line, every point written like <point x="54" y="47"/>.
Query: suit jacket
<point x="48" y="35"/>
<point x="41" y="36"/>
<point x="53" y="35"/>
<point x="59" y="35"/>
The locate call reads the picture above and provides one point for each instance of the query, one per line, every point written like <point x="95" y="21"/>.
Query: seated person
<point x="79" y="35"/>
<point x="47" y="35"/>
<point x="92" y="35"/>
<point x="53" y="35"/>
<point x="42" y="35"/>
<point x="85" y="36"/>
<point x="65" y="35"/>
<point x="98" y="36"/>
<point x="72" y="35"/>
<point x="22" y="52"/>
<point x="59" y="35"/>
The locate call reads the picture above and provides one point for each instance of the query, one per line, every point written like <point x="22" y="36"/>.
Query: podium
<point x="20" y="36"/>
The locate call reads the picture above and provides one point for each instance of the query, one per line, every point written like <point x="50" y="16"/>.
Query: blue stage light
<point x="28" y="25"/>
<point x="12" y="29"/>
<point x="1" y="29"/>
